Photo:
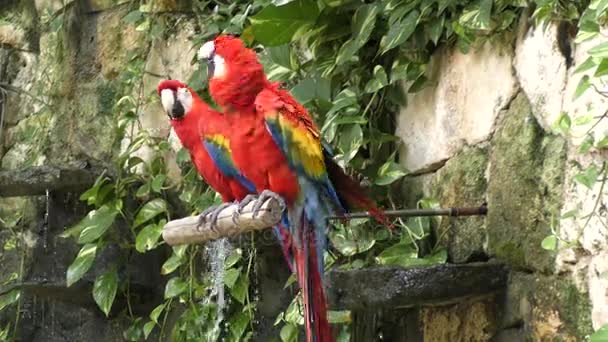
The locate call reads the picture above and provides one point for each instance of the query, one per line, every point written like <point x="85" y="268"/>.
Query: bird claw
<point x="241" y="205"/>
<point x="265" y="195"/>
<point x="213" y="213"/>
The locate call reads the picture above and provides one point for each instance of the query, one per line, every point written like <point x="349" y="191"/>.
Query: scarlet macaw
<point x="276" y="145"/>
<point x="203" y="131"/>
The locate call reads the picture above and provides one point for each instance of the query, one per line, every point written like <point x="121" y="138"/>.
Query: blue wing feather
<point x="224" y="162"/>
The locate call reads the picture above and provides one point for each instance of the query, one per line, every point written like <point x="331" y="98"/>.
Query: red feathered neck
<point x="244" y="75"/>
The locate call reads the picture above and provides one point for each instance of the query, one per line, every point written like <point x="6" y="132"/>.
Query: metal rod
<point x="452" y="212"/>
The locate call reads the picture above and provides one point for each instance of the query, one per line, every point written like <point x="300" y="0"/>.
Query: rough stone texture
<point x="36" y="181"/>
<point x="541" y="71"/>
<point x="524" y="171"/>
<point x="167" y="59"/>
<point x="395" y="287"/>
<point x="462" y="182"/>
<point x="467" y="321"/>
<point x="459" y="107"/>
<point x="544" y="308"/>
<point x="525" y="187"/>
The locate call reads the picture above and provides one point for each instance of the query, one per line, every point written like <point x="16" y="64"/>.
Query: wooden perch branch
<point x="186" y="230"/>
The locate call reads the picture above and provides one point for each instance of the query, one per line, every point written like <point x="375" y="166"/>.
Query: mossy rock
<point x="461" y="182"/>
<point x="551" y="308"/>
<point x="526" y="178"/>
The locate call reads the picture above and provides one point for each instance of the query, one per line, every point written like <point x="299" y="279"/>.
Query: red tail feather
<point x="351" y="192"/>
<point x="315" y="308"/>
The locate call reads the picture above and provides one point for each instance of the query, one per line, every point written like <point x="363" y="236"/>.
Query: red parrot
<point x="276" y="145"/>
<point x="202" y="131"/>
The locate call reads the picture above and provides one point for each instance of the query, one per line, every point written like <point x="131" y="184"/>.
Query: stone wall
<point x="63" y="80"/>
<point x="482" y="132"/>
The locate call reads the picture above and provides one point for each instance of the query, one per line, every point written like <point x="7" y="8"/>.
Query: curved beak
<point x="172" y="106"/>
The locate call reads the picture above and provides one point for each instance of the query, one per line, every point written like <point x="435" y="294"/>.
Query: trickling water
<point x="45" y="225"/>
<point x="217" y="252"/>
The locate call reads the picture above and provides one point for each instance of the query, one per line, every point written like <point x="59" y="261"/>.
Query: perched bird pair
<point x="265" y="142"/>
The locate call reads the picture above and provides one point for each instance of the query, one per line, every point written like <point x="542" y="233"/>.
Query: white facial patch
<point x="166" y="98"/>
<point x="206" y="50"/>
<point x="219" y="66"/>
<point x="185" y="98"/>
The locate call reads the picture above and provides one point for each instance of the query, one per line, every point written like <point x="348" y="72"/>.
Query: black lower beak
<point x="177" y="112"/>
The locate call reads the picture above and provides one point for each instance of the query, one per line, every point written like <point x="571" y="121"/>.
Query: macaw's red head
<point x="176" y="98"/>
<point x="235" y="74"/>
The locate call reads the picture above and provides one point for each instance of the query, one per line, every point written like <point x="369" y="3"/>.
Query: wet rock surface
<point x="396" y="287"/>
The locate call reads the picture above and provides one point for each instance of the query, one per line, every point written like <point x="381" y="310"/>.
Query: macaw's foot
<point x="265" y="195"/>
<point x="211" y="215"/>
<point x="241" y="205"/>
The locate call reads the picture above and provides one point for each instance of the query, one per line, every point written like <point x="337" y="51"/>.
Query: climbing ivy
<point x="593" y="70"/>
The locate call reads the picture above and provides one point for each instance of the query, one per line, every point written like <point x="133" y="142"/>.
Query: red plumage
<point x="277" y="146"/>
<point x="201" y="120"/>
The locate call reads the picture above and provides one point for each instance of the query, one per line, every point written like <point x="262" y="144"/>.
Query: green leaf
<point x="364" y="21"/>
<point x="230" y="277"/>
<point x="149" y="211"/>
<point x="175" y="287"/>
<point x="399" y="69"/>
<point x="549" y="243"/>
<point x="238" y="325"/>
<point x="198" y="80"/>
<point x="397" y="254"/>
<point x="289" y="333"/>
<point x="599" y="51"/>
<point x="583" y="119"/>
<point x="435" y="29"/>
<point x="155" y="314"/>
<point x="9" y="298"/>
<point x="148" y="327"/>
<point x="133" y="17"/>
<point x="171" y="264"/>
<point x="400" y="32"/>
<point x="183" y="156"/>
<point x="95" y="224"/>
<point x="312" y="88"/>
<point x="147" y="238"/>
<point x="91" y="194"/>
<point x="389" y="172"/>
<point x="234" y="257"/>
<point x="587" y="144"/>
<point x="82" y="263"/>
<point x="143" y="190"/>
<point x="274" y="25"/>
<point x="378" y="82"/>
<point x="477" y="15"/>
<point x="601" y="8"/>
<point x="157" y="182"/>
<point x="104" y="290"/>
<point x="601" y="335"/>
<point x="418" y="84"/>
<point x="587" y="177"/>
<point x="240" y="288"/>
<point x="352" y="239"/>
<point x="602" y="68"/>
<point x="563" y="123"/>
<point x="282" y="56"/>
<point x="351" y="139"/>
